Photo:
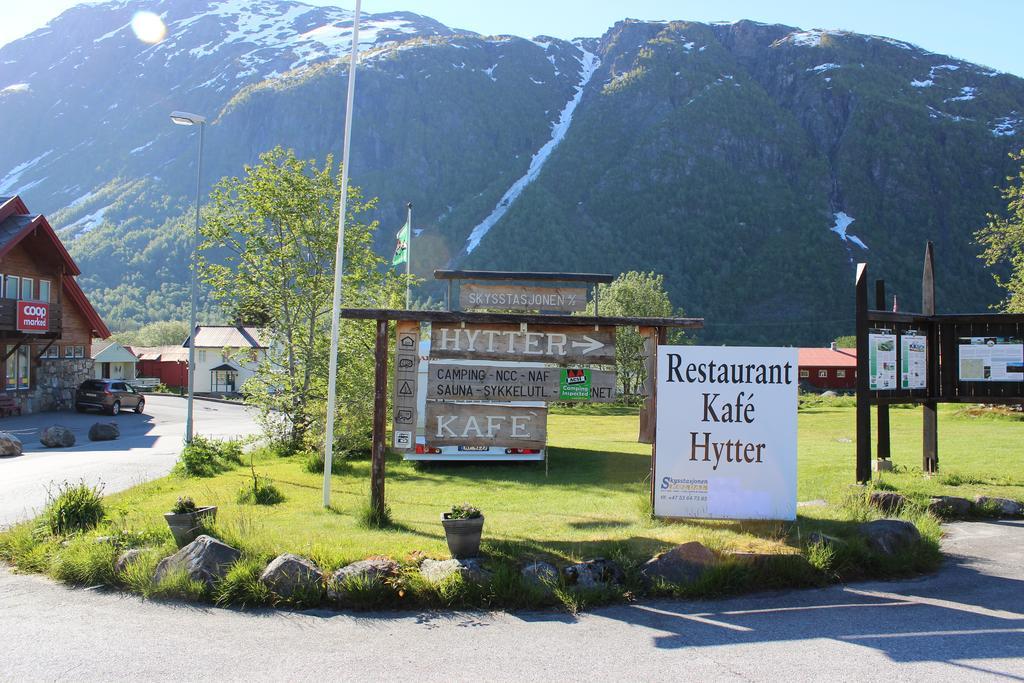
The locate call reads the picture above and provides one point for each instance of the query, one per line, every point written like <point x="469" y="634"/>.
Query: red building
<point x="831" y="368"/>
<point x="169" y="364"/>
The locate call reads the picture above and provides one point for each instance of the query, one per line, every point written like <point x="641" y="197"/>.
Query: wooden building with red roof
<point x="831" y="368"/>
<point x="46" y="322"/>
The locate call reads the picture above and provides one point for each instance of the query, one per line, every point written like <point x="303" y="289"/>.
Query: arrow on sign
<point x="588" y="346"/>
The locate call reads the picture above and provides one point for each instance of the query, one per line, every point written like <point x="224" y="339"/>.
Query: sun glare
<point x="148" y="27"/>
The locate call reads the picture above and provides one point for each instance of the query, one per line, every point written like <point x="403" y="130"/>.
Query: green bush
<point x="74" y="508"/>
<point x="315" y="463"/>
<point x="85" y="561"/>
<point x="464" y="511"/>
<point x="260" y="492"/>
<point x="205" y="457"/>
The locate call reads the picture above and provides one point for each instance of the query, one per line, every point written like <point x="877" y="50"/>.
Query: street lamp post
<point x="184" y="118"/>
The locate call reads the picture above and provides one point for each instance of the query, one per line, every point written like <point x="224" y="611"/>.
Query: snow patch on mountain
<point x="923" y="84"/>
<point x="10" y="181"/>
<point x="966" y="93"/>
<point x="1006" y="126"/>
<point x="15" y="87"/>
<point x="821" y="68"/>
<point x="588" y="65"/>
<point x="89" y="222"/>
<point x="840" y="228"/>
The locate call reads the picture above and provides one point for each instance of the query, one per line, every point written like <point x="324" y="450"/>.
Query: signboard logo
<point x="33" y="316"/>
<point x="574" y="385"/>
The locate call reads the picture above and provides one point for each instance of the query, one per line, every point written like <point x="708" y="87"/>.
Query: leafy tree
<point x="634" y="294"/>
<point x="848" y="341"/>
<point x="268" y="253"/>
<point x="1003" y="239"/>
<point x="166" y="333"/>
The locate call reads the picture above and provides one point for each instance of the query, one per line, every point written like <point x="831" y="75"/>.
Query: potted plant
<point x="462" y="529"/>
<point x="187" y="520"/>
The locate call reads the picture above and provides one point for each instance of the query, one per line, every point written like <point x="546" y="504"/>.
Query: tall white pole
<point x="339" y="257"/>
<point x="408" y="259"/>
<point x="194" y="315"/>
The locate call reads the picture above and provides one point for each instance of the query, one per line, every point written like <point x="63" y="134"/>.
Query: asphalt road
<point x="964" y="623"/>
<point x="148" y="447"/>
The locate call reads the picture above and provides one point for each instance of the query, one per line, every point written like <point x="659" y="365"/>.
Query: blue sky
<point x="983" y="31"/>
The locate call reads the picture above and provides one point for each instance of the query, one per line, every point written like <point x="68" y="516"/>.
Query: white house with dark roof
<point x="112" y="360"/>
<point x="226" y="356"/>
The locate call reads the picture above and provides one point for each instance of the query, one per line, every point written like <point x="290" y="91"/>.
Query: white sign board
<point x="881" y="361"/>
<point x="913" y="361"/>
<point x="726" y="432"/>
<point x="991" y="359"/>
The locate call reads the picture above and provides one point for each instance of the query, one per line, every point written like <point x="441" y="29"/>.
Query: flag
<point x="402" y="245"/>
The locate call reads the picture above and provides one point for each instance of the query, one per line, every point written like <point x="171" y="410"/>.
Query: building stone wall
<point x="56" y="382"/>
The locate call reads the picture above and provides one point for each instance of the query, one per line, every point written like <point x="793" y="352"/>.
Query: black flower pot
<point x="463" y="535"/>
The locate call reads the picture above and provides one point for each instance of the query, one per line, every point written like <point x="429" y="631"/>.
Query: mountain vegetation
<point x="1003" y="239"/>
<point x="751" y="165"/>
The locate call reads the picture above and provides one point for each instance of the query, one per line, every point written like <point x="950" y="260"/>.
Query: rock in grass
<point x="205" y="560"/>
<point x="289" y="576"/>
<point x="1004" y="506"/>
<point x="682" y="564"/>
<point x="126" y="558"/>
<point x="9" y="444"/>
<point x="592" y="573"/>
<point x="471" y="569"/>
<point x="540" y="574"/>
<point x="816" y="537"/>
<point x="104" y="431"/>
<point x="949" y="507"/>
<point x="890" y="536"/>
<point x="57" y="436"/>
<point x="887" y="501"/>
<point x="373" y="571"/>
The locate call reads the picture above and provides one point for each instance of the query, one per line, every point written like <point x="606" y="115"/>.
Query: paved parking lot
<point x="148" y="448"/>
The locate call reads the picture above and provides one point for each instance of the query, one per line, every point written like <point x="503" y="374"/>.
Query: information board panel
<point x="485" y="424"/>
<point x="881" y="360"/>
<point x="913" y="360"/>
<point x="403" y="426"/>
<point x="459" y="382"/>
<point x="513" y="297"/>
<point x="558" y="344"/>
<point x="726" y="432"/>
<point x="991" y="359"/>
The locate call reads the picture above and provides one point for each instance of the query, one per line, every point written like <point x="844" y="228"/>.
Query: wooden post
<point x="380" y="409"/>
<point x="661" y="339"/>
<point x="647" y="417"/>
<point x="863" y="387"/>
<point x="883" y="451"/>
<point x="930" y="428"/>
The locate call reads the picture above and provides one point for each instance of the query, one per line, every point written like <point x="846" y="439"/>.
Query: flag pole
<point x="339" y="257"/>
<point x="408" y="259"/>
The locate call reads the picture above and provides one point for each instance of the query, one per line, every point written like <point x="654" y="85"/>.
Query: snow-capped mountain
<point x="765" y="157"/>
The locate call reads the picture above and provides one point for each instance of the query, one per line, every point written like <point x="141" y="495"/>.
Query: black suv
<point x="110" y="395"/>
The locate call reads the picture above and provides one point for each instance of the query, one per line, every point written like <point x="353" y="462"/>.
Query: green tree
<point x="1003" y="239"/>
<point x="268" y="252"/>
<point x="848" y="341"/>
<point x="165" y="333"/>
<point x="634" y="294"/>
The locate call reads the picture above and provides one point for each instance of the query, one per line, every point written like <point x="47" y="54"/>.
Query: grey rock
<point x="596" y="572"/>
<point x="682" y="564"/>
<point x="887" y="501"/>
<point x="541" y="574"/>
<point x="829" y="394"/>
<point x="890" y="536"/>
<point x="376" y="570"/>
<point x="205" y="559"/>
<point x="1005" y="506"/>
<point x="949" y="507"/>
<point x="104" y="431"/>
<point x="9" y="444"/>
<point x="289" y="575"/>
<point x="471" y="569"/>
<point x="57" y="436"/>
<point x="125" y="559"/>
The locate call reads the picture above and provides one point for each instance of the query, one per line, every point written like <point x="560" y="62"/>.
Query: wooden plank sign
<point x="512" y="297"/>
<point x="558" y="344"/>
<point x="407" y="358"/>
<point x="483" y="424"/>
<point x="455" y="382"/>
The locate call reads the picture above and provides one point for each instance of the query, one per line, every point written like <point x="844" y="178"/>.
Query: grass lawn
<point x="593" y="500"/>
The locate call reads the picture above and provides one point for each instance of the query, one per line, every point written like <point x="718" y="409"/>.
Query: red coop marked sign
<point x="33" y="316"/>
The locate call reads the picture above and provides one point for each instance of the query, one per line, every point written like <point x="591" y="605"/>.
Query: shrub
<point x="370" y="517"/>
<point x="206" y="457"/>
<point x="315" y="463"/>
<point x="184" y="505"/>
<point x="74" y="508"/>
<point x="85" y="561"/>
<point x="261" y="492"/>
<point x="242" y="586"/>
<point x="464" y="511"/>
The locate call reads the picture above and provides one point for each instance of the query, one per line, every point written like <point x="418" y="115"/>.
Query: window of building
<point x="19" y="369"/>
<point x="202" y="355"/>
<point x="27" y="289"/>
<point x="52" y="352"/>
<point x="840" y="373"/>
<point x="822" y="373"/>
<point x="11" y="286"/>
<point x="44" y="290"/>
<point x="79" y="352"/>
<point x="804" y="374"/>
<point x="69" y="351"/>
